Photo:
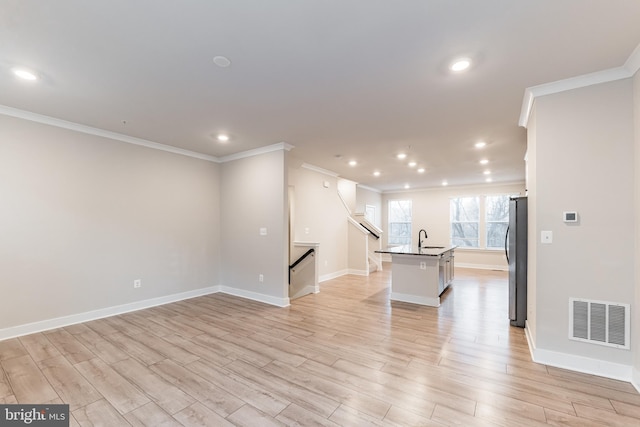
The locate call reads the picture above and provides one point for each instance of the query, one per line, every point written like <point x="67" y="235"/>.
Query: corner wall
<point x="583" y="162"/>
<point x="254" y="197"/>
<point x="84" y="216"/>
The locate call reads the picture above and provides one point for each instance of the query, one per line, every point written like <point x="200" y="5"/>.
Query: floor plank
<point x="165" y="394"/>
<point x="70" y="385"/>
<point x="27" y="382"/>
<point x="99" y="413"/>
<point x="120" y="393"/>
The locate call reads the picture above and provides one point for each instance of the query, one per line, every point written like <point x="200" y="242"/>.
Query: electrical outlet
<point x="137" y="283"/>
<point x="261" y="278"/>
<point x="423" y="265"/>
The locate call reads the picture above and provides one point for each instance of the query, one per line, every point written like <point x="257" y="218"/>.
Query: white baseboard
<point x="310" y="289"/>
<point x="59" y="322"/>
<point x="358" y="272"/>
<point x="635" y="379"/>
<point x="482" y="266"/>
<point x="333" y="275"/>
<point x="414" y="299"/>
<point x="255" y="296"/>
<point x="586" y="365"/>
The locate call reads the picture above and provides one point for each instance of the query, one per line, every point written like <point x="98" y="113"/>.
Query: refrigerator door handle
<point x="506" y="243"/>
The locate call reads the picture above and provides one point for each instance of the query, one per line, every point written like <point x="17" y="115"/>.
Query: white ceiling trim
<point x="52" y="121"/>
<point x="630" y="67"/>
<point x="257" y="151"/>
<point x="459" y="188"/>
<point x="320" y="170"/>
<point x="364" y="187"/>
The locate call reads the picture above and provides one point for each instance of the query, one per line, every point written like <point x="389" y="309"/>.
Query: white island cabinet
<point x="420" y="275"/>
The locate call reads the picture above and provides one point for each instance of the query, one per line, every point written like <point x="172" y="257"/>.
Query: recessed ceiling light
<point x="488" y="180"/>
<point x="352" y="163"/>
<point x="401" y="156"/>
<point x="484" y="161"/>
<point x="407" y="186"/>
<point x="480" y="144"/>
<point x="487" y="172"/>
<point x="460" y="64"/>
<point x="412" y="164"/>
<point x="445" y="183"/>
<point x="221" y="61"/>
<point x="223" y="138"/>
<point x="376" y="173"/>
<point x="25" y="74"/>
<point x="421" y="170"/>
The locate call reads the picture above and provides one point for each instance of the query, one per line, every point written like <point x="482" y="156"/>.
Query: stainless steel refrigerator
<point x="516" y="252"/>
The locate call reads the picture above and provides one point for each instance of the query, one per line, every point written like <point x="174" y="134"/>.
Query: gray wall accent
<point x="532" y="226"/>
<point x="584" y="161"/>
<point x="254" y="196"/>
<point x="82" y="217"/>
<point x="635" y="338"/>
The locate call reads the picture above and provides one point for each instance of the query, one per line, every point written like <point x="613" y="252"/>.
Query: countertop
<point x="414" y="250"/>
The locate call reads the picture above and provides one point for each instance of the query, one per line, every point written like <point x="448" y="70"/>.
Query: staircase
<point x="303" y="271"/>
<point x="364" y="240"/>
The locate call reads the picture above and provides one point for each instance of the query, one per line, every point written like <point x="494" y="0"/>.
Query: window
<point x="399" y="222"/>
<point x="497" y="220"/>
<point x="465" y="220"/>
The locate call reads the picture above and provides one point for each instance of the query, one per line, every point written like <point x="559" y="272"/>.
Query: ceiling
<point x="337" y="79"/>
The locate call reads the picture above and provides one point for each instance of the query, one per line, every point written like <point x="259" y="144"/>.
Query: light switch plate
<point x="263" y="231"/>
<point x="546" y="236"/>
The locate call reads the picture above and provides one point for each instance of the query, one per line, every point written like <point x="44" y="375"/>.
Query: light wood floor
<point x="345" y="356"/>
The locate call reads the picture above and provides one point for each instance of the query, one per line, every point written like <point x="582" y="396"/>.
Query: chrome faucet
<point x="420" y="235"/>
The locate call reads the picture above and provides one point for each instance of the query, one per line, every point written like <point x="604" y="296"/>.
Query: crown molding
<point x="257" y="151"/>
<point x="319" y="170"/>
<point x="630" y="67"/>
<point x="364" y="187"/>
<point x="52" y="121"/>
<point x="487" y="185"/>
<point x="633" y="62"/>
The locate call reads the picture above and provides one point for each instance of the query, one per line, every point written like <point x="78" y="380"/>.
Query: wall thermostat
<point x="571" y="216"/>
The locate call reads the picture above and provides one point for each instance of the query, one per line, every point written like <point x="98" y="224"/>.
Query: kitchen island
<point x="420" y="275"/>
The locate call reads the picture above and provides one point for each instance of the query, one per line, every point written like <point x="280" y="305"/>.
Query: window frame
<point x="482" y="222"/>
<point x="487" y="221"/>
<point x="477" y="222"/>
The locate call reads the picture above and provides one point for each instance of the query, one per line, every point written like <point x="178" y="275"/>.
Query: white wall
<point x="254" y="196"/>
<point x="347" y="191"/>
<point x="583" y="161"/>
<point x="320" y="217"/>
<point x="366" y="197"/>
<point x="82" y="217"/>
<point x="430" y="210"/>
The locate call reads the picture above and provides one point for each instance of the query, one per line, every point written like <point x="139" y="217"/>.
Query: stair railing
<point x="299" y="260"/>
